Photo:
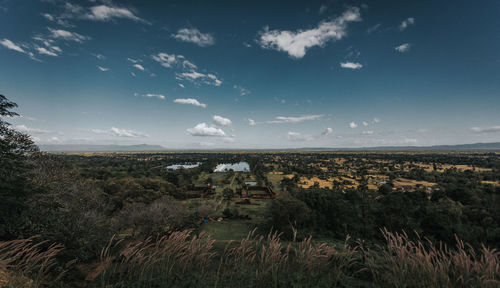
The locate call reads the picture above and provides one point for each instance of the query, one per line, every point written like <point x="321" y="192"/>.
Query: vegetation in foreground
<point x="183" y="259"/>
<point x="122" y="220"/>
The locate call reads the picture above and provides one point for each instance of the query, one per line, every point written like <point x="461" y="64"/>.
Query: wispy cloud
<point x="351" y="65"/>
<point x="44" y="51"/>
<point x="327" y="132"/>
<point x="194" y="35"/>
<point x="151" y="95"/>
<point x="188" y="70"/>
<point x="166" y="60"/>
<point x="490" y="129"/>
<point x="296" y="136"/>
<point x="12" y="46"/>
<point x="373" y="28"/>
<point x="403" y="47"/>
<point x="108" y="13"/>
<point x="117" y="132"/>
<point x="198" y="78"/>
<point x="296" y="43"/>
<point x="190" y="101"/>
<point x="203" y="130"/>
<point x="286" y="119"/>
<point x="353" y="125"/>
<point x="406" y="23"/>
<point x="29" y="130"/>
<point x="243" y="91"/>
<point x="139" y="66"/>
<point x="67" y="35"/>
<point x="103" y="69"/>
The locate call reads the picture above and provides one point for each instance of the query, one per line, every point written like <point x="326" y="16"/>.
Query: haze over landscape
<point x="260" y="74"/>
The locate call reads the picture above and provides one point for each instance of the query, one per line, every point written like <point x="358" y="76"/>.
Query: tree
<point x="227" y="194"/>
<point x="15" y="149"/>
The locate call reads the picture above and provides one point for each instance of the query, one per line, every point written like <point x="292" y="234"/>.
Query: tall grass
<point x="420" y="263"/>
<point x="28" y="263"/>
<point x="184" y="259"/>
<point x="188" y="259"/>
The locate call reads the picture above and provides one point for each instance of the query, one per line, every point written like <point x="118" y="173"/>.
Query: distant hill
<point x="461" y="147"/>
<point x="100" y="148"/>
<point x="495" y="146"/>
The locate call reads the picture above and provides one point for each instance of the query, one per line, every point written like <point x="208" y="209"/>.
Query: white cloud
<point x="26" y="129"/>
<point x="48" y="16"/>
<point x="219" y="120"/>
<point x="197" y="78"/>
<point x="44" y="51"/>
<point x="284" y="119"/>
<point x="251" y="122"/>
<point x="67" y="35"/>
<point x="120" y="132"/>
<point x="99" y="56"/>
<point x="188" y="69"/>
<point x="243" y="91"/>
<point x="192" y="75"/>
<point x="139" y="66"/>
<point x="194" y="35"/>
<point x="327" y="132"/>
<point x="403" y="47"/>
<point x="159" y="96"/>
<point x="353" y="125"/>
<point x="217" y="82"/>
<point x="103" y="69"/>
<point x="406" y="23"/>
<point x="202" y="129"/>
<point x="134" y="60"/>
<point x="296" y="136"/>
<point x="491" y="129"/>
<point x="188" y="64"/>
<point x="166" y="60"/>
<point x="351" y="65"/>
<point x="12" y="46"/>
<point x="376" y="120"/>
<point x="181" y="85"/>
<point x="367" y="132"/>
<point x="108" y="13"/>
<point x="191" y="102"/>
<point x="296" y="43"/>
<point x="52" y="49"/>
<point x="364" y="123"/>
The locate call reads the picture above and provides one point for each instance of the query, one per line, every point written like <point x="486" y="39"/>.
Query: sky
<point x="252" y="74"/>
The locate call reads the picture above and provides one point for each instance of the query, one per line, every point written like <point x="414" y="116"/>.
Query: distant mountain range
<point x="100" y="148"/>
<point x="495" y="146"/>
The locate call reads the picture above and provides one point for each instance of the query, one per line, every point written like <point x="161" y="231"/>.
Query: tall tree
<point x="15" y="148"/>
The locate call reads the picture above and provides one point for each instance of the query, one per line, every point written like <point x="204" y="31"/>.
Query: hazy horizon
<point x="259" y="75"/>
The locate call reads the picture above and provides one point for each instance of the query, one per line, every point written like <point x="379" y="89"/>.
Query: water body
<point x="185" y="166"/>
<point x="240" y="167"/>
<point x="251" y="183"/>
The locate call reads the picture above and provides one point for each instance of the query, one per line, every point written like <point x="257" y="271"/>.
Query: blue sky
<point x="263" y="74"/>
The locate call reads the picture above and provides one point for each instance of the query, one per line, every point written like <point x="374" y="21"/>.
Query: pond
<point x="251" y="183"/>
<point x="184" y="166"/>
<point x="240" y="166"/>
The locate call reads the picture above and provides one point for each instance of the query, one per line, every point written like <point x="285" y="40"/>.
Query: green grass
<point x="227" y="229"/>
